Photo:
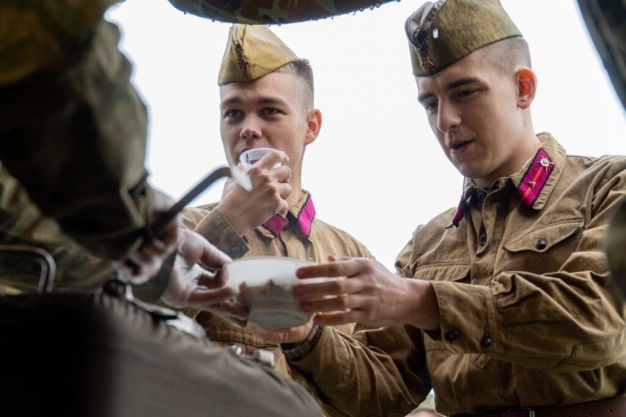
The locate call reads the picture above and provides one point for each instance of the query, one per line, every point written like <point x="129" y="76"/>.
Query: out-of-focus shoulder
<point x="191" y="216"/>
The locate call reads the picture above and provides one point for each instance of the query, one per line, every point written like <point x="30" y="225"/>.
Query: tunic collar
<point x="534" y="183"/>
<point x="301" y="215"/>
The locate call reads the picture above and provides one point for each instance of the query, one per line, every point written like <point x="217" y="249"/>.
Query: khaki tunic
<point x="526" y="318"/>
<point x="322" y="241"/>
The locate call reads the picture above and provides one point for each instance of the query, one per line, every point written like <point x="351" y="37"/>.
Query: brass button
<point x="452" y="335"/>
<point x="486" y="341"/>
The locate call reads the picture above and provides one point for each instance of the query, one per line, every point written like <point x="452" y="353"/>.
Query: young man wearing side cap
<point x="267" y="101"/>
<point x="509" y="313"/>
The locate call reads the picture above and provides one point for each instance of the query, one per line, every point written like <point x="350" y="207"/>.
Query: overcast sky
<point x="376" y="169"/>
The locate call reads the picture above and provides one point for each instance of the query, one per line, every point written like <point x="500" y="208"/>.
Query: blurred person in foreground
<point x="267" y="100"/>
<point x="74" y="184"/>
<point x="507" y="309"/>
<point x="73" y="146"/>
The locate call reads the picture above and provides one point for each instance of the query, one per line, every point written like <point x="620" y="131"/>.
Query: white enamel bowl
<point x="265" y="287"/>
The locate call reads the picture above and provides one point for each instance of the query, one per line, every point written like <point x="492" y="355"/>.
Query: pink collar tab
<point x="304" y="220"/>
<point x="275" y="224"/>
<point x="529" y="188"/>
<point x="535" y="178"/>
<point x="458" y="214"/>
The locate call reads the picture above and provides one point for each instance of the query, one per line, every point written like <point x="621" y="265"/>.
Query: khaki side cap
<point x="441" y="33"/>
<point x="251" y="53"/>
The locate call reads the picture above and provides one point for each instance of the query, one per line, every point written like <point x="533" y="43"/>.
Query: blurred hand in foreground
<point x="196" y="279"/>
<point x="194" y="284"/>
<point x="146" y="261"/>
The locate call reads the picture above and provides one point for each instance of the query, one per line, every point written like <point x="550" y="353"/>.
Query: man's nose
<point x="447" y="117"/>
<point x="251" y="129"/>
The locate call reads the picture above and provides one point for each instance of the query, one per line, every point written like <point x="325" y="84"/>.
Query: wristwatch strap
<point x="293" y="353"/>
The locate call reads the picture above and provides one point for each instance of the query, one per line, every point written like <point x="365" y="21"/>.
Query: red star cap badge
<point x="243" y="64"/>
<point x="427" y="63"/>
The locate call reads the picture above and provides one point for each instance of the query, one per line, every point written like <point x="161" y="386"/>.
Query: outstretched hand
<point x="370" y="295"/>
<point x="145" y="262"/>
<point x="196" y="280"/>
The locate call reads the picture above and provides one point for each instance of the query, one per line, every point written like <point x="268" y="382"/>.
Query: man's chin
<point x="475" y="173"/>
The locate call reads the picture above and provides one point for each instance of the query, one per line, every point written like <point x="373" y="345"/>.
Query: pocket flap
<point x="442" y="271"/>
<point x="542" y="239"/>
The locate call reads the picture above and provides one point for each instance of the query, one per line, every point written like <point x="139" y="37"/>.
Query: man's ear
<point x="314" y="125"/>
<point x="526" y="87"/>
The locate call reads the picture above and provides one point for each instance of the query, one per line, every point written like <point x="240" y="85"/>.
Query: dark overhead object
<point x="268" y="12"/>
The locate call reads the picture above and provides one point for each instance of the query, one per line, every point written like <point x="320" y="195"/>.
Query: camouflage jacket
<point x="267" y="12"/>
<point x="72" y="128"/>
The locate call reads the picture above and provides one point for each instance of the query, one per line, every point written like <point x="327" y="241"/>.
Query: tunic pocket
<point x="543" y="249"/>
<point x="443" y="271"/>
<point x="546" y="237"/>
<point x="481" y="360"/>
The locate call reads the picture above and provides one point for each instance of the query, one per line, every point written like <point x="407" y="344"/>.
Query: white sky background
<point x="376" y="169"/>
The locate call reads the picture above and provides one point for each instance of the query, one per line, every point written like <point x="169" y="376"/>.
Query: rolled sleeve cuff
<point x="468" y="317"/>
<point x="325" y="353"/>
<point x="220" y="233"/>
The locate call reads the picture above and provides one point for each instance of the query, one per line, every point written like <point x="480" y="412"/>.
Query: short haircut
<point x="508" y="54"/>
<point x="302" y="68"/>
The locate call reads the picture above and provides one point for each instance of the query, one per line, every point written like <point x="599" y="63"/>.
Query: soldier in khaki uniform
<point x="267" y="101"/>
<point x="508" y="312"/>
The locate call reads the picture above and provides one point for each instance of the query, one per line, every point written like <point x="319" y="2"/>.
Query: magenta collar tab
<point x="458" y="214"/>
<point x="529" y="188"/>
<point x="535" y="178"/>
<point x="304" y="219"/>
<point x="275" y="224"/>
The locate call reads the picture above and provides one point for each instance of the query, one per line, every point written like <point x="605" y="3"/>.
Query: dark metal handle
<point x="159" y="225"/>
<point x="42" y="257"/>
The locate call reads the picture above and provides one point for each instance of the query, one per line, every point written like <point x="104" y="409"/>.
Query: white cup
<point x="252" y="156"/>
